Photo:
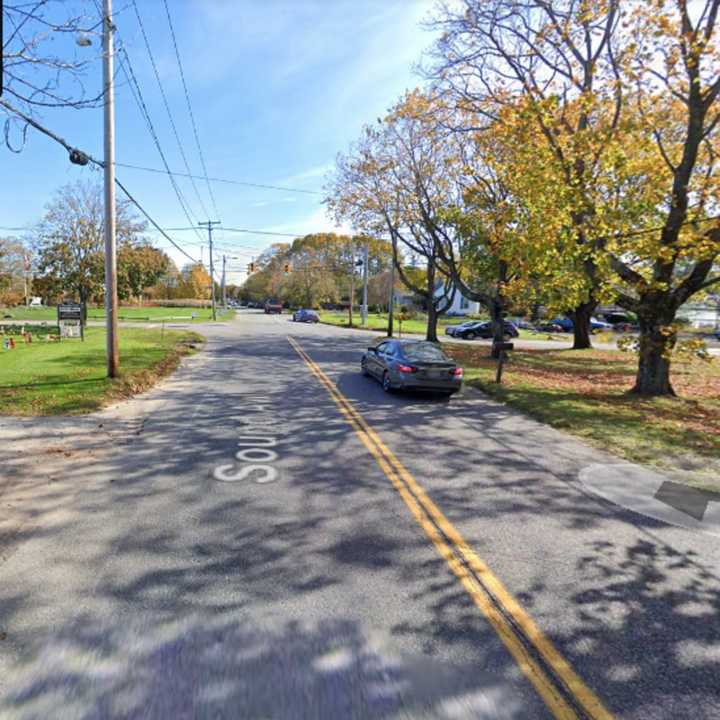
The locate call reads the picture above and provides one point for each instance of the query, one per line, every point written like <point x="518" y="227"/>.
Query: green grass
<point x="584" y="392"/>
<point x="379" y="321"/>
<point x="418" y="324"/>
<point x="126" y="314"/>
<point x="68" y="377"/>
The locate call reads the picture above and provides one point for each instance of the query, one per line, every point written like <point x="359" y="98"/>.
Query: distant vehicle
<point x="412" y="365"/>
<point x="35" y="302"/>
<point x="482" y="329"/>
<point x="273" y="307"/>
<point x="564" y="323"/>
<point x="550" y="327"/>
<point x="599" y="325"/>
<point x="567" y="325"/>
<point x="457" y="330"/>
<point x="521" y="323"/>
<point x="303" y="315"/>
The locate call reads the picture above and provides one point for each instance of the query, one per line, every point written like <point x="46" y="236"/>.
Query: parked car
<point x="481" y="329"/>
<point x="458" y="330"/>
<point x="549" y="327"/>
<point x="273" y="307"/>
<point x="303" y="315"/>
<point x="521" y="323"/>
<point x="412" y="365"/>
<point x="597" y="325"/>
<point x="564" y="323"/>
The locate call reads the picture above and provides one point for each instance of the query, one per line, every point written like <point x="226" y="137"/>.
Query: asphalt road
<point x="255" y="542"/>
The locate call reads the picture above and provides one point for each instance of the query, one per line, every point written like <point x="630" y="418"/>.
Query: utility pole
<point x="209" y="225"/>
<point x="366" y="255"/>
<point x="222" y="285"/>
<point x="111" y="297"/>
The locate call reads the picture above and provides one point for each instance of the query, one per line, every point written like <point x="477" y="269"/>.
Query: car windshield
<point x="424" y="352"/>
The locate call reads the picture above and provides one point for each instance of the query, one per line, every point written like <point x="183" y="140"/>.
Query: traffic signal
<point x="251" y="268"/>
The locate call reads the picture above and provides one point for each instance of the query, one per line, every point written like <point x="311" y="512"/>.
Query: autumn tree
<point x="69" y="241"/>
<point x="194" y="282"/>
<point x="556" y="56"/>
<point x="13" y="258"/>
<point x="140" y="266"/>
<point x="379" y="187"/>
<point x="675" y="74"/>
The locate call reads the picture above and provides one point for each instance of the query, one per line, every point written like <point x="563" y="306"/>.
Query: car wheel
<point x="386" y="384"/>
<point x="470" y="336"/>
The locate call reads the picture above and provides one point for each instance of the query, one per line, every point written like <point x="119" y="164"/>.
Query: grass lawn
<point x="58" y="378"/>
<point x="418" y="324"/>
<point x="127" y="314"/>
<point x="585" y="393"/>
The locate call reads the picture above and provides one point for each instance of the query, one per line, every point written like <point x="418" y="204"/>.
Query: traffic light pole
<point x="209" y="225"/>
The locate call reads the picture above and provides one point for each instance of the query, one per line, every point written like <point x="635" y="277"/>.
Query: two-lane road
<point x="284" y="540"/>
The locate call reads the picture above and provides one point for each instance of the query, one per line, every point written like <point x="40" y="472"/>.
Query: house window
<point x="464" y="303"/>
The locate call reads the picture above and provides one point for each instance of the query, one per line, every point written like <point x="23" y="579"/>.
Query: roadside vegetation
<point x="585" y="393"/>
<point x="417" y="325"/>
<point x="69" y="377"/>
<point x="126" y="314"/>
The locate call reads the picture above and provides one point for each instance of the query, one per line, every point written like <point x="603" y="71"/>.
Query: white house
<point x="460" y="304"/>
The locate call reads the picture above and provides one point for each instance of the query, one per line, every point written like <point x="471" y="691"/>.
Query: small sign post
<point x="502" y="350"/>
<point x="71" y="320"/>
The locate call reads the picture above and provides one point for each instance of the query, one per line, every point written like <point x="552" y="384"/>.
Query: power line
<point x="127" y="67"/>
<point x="167" y="104"/>
<point x="249" y="232"/>
<point x="83" y="158"/>
<point x="190" y="110"/>
<point x="223" y="180"/>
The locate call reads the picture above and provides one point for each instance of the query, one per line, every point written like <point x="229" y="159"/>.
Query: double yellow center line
<point x="562" y="690"/>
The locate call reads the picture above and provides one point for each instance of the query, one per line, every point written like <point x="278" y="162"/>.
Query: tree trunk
<point x="432" y="315"/>
<point x="581" y="324"/>
<point x="497" y="317"/>
<point x="656" y="344"/>
<point x="352" y="295"/>
<point x="432" y="321"/>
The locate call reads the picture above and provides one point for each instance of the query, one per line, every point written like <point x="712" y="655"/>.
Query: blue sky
<point x="278" y="88"/>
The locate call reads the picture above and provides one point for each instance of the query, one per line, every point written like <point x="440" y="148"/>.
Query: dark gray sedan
<point x="412" y="365"/>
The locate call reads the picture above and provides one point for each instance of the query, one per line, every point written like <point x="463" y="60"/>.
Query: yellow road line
<point x="482" y="585"/>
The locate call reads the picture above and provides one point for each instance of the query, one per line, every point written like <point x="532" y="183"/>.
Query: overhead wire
<point x="229" y="181"/>
<point x="151" y="56"/>
<point x="190" y="110"/>
<point x="127" y="68"/>
<point x="73" y="150"/>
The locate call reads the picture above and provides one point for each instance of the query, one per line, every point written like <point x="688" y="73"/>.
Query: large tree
<point x="675" y="74"/>
<point x="69" y="241"/>
<point x="378" y="186"/>
<point x="140" y="266"/>
<point x="556" y="55"/>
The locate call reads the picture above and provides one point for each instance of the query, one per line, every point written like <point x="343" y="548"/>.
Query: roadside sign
<point x="71" y="320"/>
<point x="70" y="329"/>
<point x="70" y="311"/>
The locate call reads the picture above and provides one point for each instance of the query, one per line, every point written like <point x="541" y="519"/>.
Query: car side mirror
<point x="372" y="350"/>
